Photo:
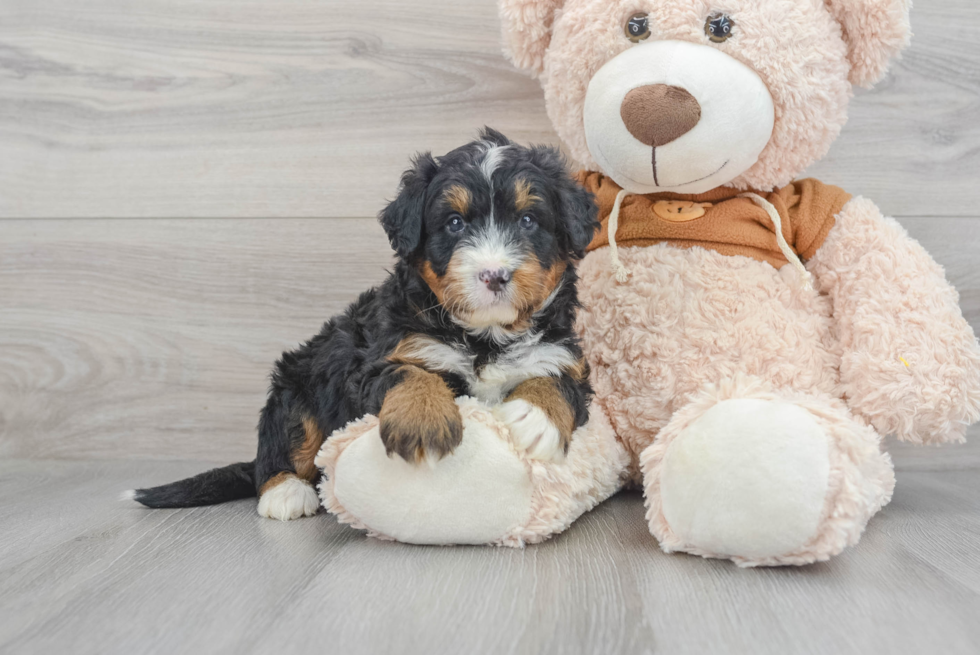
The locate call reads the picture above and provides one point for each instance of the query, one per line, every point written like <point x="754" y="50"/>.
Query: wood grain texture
<point x="155" y="338"/>
<point x="295" y="108"/>
<point x="84" y="573"/>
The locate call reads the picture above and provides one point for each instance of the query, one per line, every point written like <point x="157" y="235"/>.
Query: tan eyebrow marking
<point x="458" y="198"/>
<point x="523" y="198"/>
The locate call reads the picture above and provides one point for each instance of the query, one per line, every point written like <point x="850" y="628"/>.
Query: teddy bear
<point x="752" y="336"/>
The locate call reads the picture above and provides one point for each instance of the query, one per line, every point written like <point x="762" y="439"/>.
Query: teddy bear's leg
<point x="763" y="477"/>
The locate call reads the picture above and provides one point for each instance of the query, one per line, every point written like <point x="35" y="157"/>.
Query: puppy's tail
<point x="209" y="488"/>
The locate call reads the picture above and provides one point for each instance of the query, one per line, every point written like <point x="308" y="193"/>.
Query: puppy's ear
<point x="576" y="207"/>
<point x="578" y="217"/>
<point x="875" y="31"/>
<point x="402" y="218"/>
<point x="491" y="135"/>
<point x="527" y="31"/>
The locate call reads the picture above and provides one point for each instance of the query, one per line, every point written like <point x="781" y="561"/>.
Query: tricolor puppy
<point x="481" y="303"/>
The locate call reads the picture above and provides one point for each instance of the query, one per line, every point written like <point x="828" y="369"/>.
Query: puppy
<point x="481" y="302"/>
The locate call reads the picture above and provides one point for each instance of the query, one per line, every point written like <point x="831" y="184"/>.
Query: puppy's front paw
<point x="531" y="429"/>
<point x="420" y="418"/>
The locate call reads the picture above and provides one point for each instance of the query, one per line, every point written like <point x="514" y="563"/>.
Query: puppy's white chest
<point x="522" y="360"/>
<point x="495" y="381"/>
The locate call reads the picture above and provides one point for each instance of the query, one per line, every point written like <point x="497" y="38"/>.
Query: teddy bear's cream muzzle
<point x="676" y="116"/>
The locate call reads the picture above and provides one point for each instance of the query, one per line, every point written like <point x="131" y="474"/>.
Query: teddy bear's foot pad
<point x="473" y="496"/>
<point x="490" y="490"/>
<point x="748" y="478"/>
<point x="763" y="476"/>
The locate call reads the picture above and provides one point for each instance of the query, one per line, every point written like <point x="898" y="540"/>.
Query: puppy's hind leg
<point x="286" y="496"/>
<point x="285" y="472"/>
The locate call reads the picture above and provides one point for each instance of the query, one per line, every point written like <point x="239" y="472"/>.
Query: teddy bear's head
<point x="689" y="95"/>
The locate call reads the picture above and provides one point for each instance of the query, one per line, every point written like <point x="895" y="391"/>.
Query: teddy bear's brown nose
<point x="657" y="114"/>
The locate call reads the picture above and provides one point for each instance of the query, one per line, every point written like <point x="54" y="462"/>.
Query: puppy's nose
<point x="657" y="114"/>
<point x="495" y="279"/>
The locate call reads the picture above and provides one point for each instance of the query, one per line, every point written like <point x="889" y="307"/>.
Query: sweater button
<point x="679" y="211"/>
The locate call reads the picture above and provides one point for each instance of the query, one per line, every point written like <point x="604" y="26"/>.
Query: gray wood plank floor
<point x="100" y="576"/>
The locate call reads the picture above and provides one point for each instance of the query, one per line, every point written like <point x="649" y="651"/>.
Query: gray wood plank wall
<point x="187" y="187"/>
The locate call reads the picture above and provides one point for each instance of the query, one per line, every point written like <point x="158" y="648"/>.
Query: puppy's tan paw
<point x="419" y="418"/>
<point x="531" y="430"/>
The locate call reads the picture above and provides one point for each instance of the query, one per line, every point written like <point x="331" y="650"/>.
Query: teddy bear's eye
<point x="719" y="28"/>
<point x="637" y="28"/>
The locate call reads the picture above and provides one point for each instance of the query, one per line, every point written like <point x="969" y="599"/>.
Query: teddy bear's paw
<point x="532" y="432"/>
<point x="288" y="500"/>
<point x="748" y="479"/>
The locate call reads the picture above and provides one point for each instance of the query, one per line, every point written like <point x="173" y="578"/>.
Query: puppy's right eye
<point x="638" y="28"/>
<point x="456" y="224"/>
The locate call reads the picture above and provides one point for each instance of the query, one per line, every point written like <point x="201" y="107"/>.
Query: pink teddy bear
<point x="752" y="338"/>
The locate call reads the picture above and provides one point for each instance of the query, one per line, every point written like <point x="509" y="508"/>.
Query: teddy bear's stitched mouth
<point x="602" y="155"/>
<point x="656" y="182"/>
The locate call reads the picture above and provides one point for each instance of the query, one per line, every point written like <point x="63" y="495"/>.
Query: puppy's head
<point x="491" y="227"/>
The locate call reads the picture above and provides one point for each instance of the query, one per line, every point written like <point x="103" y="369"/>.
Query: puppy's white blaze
<point x="288" y="500"/>
<point x="489" y="249"/>
<point x="530" y="429"/>
<point x="526" y="358"/>
<point x="491" y="159"/>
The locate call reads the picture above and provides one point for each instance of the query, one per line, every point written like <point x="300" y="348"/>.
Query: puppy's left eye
<point x="528" y="222"/>
<point x="719" y="28"/>
<point x="456" y="224"/>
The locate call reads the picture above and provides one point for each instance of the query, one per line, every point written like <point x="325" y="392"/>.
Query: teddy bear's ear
<point x="527" y="30"/>
<point x="875" y="31"/>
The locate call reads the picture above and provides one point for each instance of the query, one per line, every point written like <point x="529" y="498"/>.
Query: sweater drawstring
<point x="622" y="273"/>
<point x="805" y="278"/>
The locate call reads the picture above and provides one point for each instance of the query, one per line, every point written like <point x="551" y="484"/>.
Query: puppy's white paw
<point x="531" y="430"/>
<point x="288" y="500"/>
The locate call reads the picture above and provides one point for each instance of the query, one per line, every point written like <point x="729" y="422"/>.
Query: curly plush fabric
<point x="876" y="31"/>
<point x="527" y="30"/>
<point x="692" y="317"/>
<point x="909" y="360"/>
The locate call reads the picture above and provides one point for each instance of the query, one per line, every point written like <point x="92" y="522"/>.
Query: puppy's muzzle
<point x="495" y="279"/>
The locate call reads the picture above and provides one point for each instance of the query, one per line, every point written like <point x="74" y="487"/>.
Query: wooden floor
<point x="83" y="573"/>
<point x="187" y="188"/>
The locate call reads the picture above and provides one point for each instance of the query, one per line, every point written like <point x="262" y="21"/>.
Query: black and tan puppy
<point x="481" y="302"/>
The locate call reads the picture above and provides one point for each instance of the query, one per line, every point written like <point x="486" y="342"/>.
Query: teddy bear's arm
<point x="910" y="361"/>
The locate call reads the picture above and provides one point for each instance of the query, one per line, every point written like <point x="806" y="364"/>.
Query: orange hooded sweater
<point x="720" y="220"/>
